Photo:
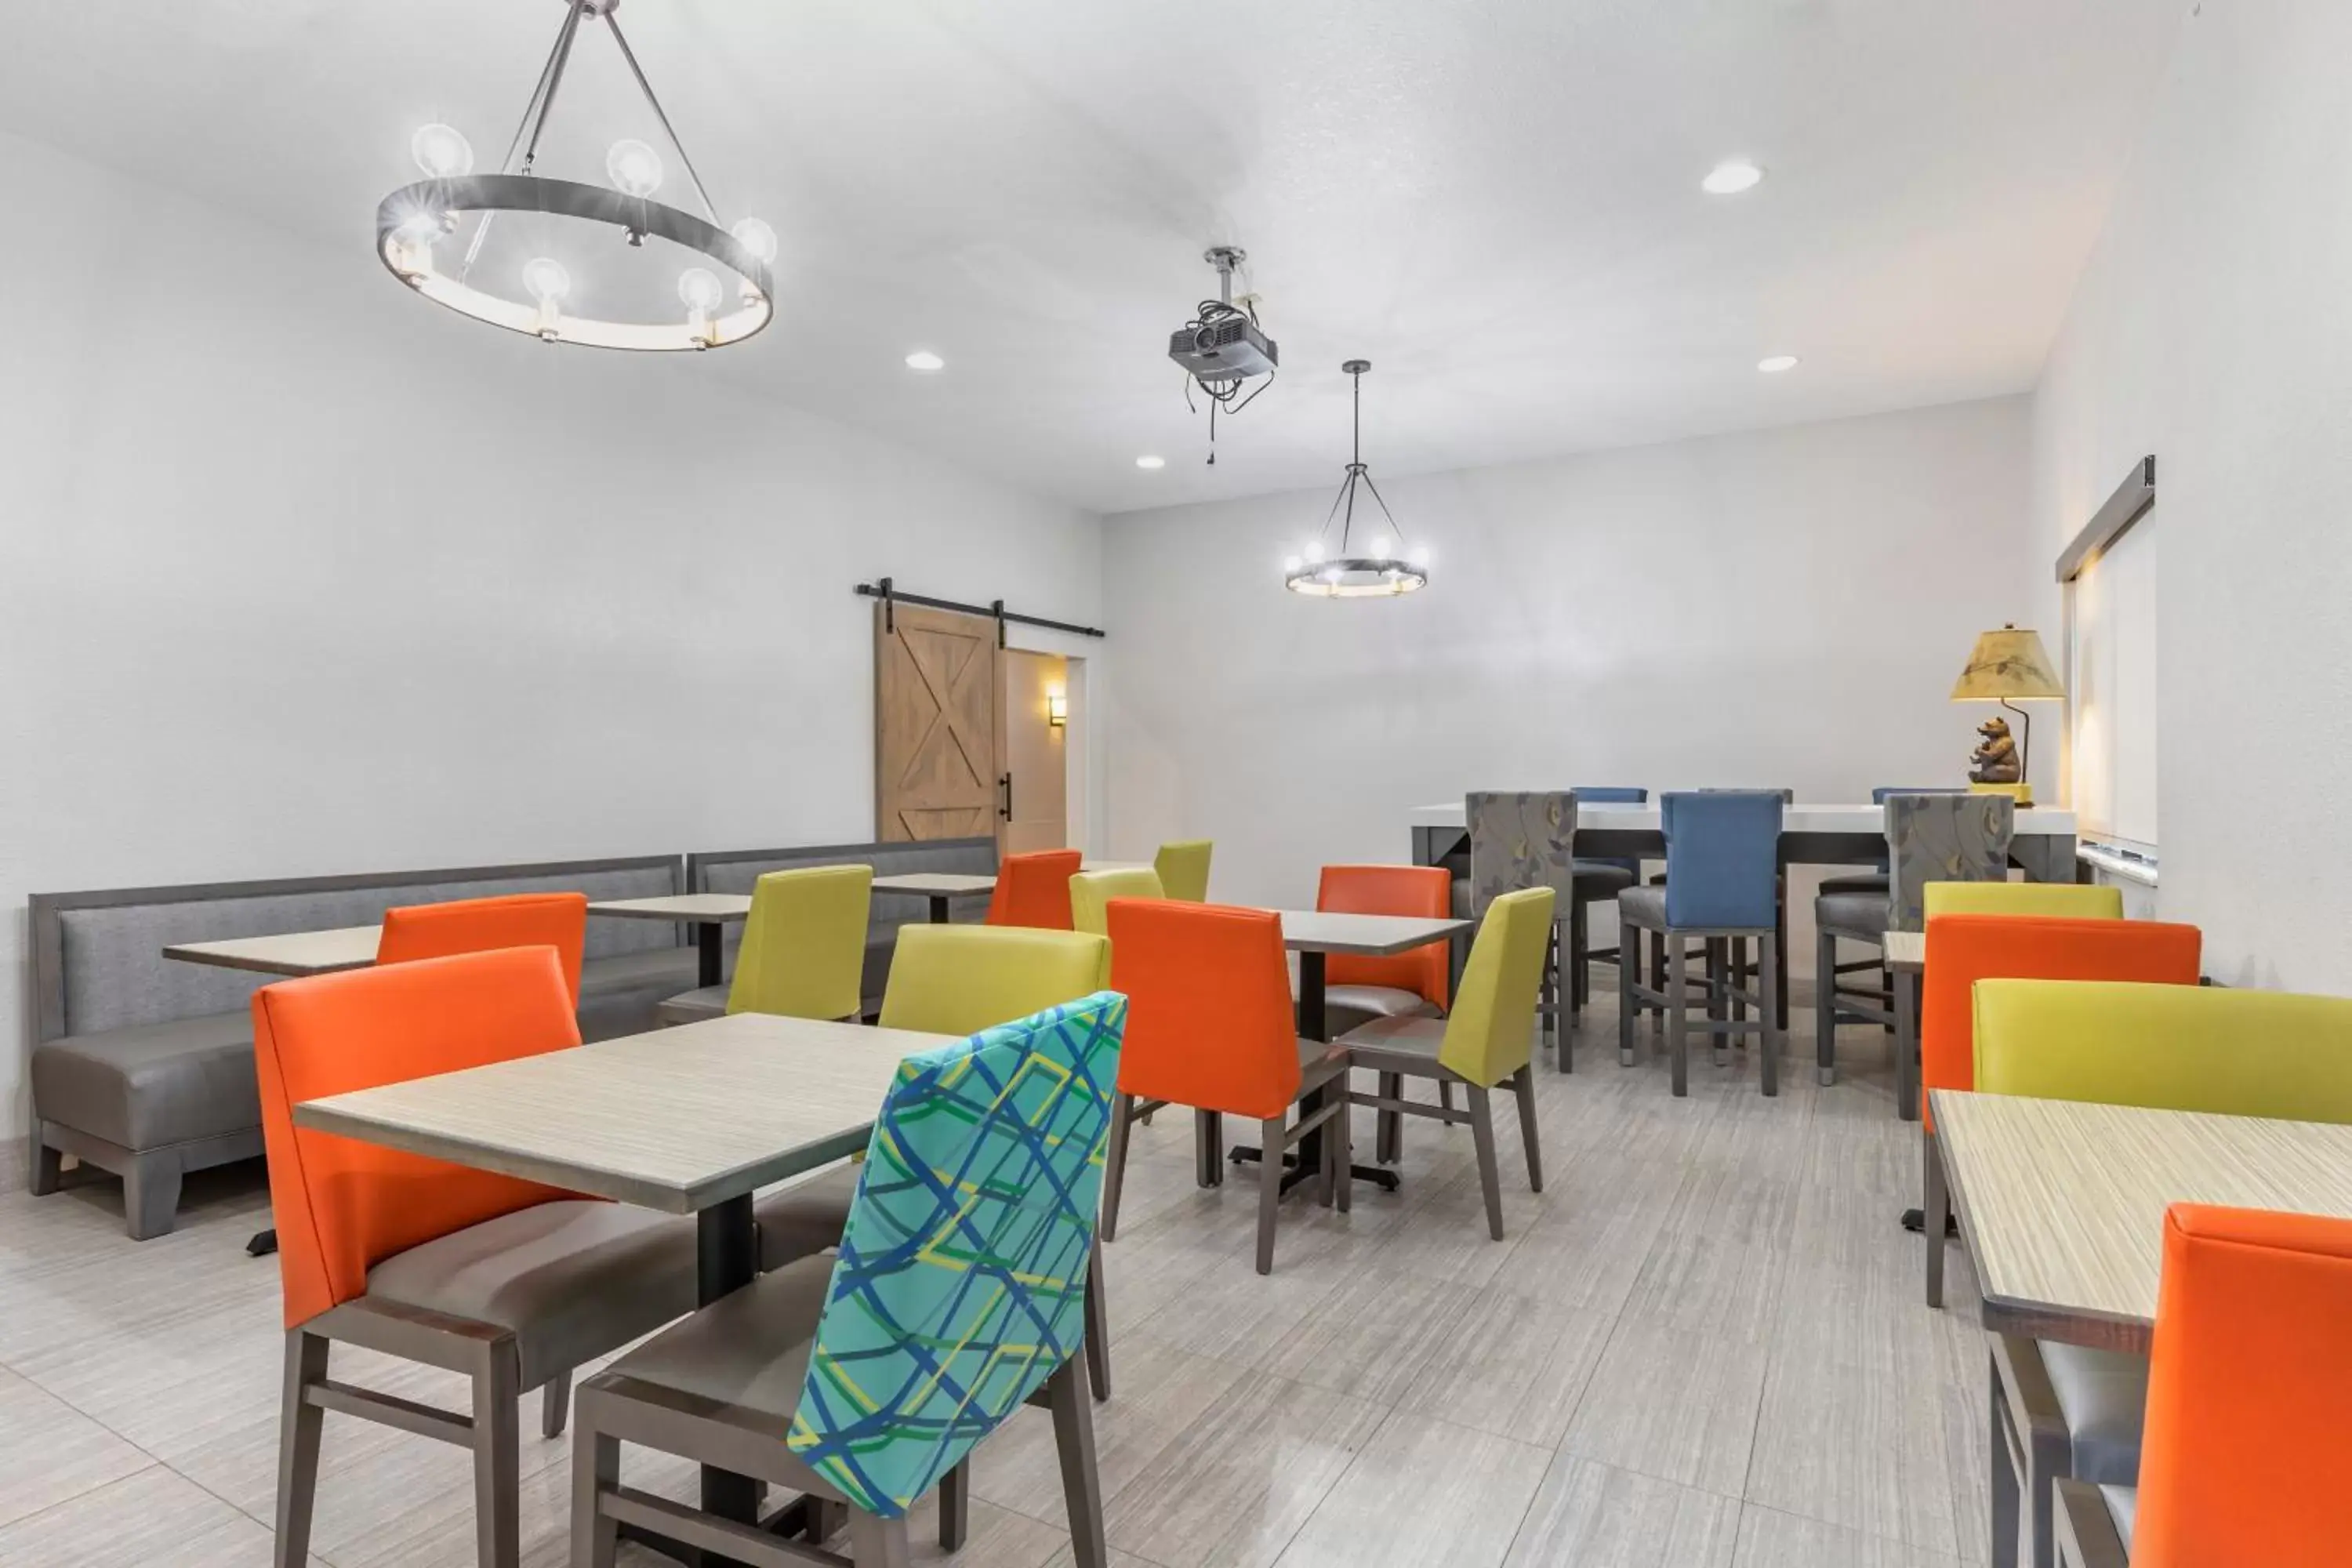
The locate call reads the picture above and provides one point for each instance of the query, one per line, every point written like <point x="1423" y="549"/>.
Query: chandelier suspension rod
<point x="613" y="20"/>
<point x="541" y="95"/>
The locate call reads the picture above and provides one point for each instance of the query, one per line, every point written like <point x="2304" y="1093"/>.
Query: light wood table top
<point x="1906" y="950"/>
<point x="2062" y="1204"/>
<point x="296" y="952"/>
<point x="700" y="908"/>
<point x="678" y="1120"/>
<point x="1316" y="931"/>
<point x="936" y="884"/>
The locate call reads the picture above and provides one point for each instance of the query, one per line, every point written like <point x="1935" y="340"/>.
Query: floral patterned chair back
<point x="1520" y="841"/>
<point x="1944" y="839"/>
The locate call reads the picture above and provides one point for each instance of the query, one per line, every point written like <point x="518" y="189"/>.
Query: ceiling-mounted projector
<point x="1223" y="348"/>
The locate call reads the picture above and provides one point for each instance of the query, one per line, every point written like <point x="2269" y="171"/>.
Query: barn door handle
<point x="1004" y="783"/>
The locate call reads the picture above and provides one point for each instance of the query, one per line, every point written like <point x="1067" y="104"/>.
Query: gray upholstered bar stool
<point x="1527" y="840"/>
<point x="1946" y="836"/>
<point x="1824" y="974"/>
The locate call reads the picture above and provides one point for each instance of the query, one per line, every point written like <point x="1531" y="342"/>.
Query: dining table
<point x="708" y="914"/>
<point x="690" y="1120"/>
<point x="2061" y="1203"/>
<point x="1314" y="935"/>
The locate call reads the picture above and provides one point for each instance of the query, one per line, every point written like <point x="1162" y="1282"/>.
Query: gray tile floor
<point x="1701" y="1346"/>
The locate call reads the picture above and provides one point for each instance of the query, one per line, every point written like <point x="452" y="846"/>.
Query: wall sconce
<point x="1057" y="707"/>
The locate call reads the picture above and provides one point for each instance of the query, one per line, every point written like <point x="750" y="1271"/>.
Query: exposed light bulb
<point x="546" y="279"/>
<point x="699" y="288"/>
<point x="1292" y="565"/>
<point x="442" y="152"/>
<point x="634" y="168"/>
<point x="549" y="283"/>
<point x="414" y="237"/>
<point x="1315" y="552"/>
<point x="926" y="361"/>
<point x="1332" y="575"/>
<point x="756" y="237"/>
<point x="1729" y="179"/>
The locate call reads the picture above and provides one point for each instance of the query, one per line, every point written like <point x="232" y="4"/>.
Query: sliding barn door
<point x="935" y="722"/>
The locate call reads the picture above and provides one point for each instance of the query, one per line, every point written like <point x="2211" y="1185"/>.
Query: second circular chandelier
<point x="417" y="228"/>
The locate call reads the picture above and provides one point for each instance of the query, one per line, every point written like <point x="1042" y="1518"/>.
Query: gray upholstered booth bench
<point x="736" y="871"/>
<point x="143" y="1066"/>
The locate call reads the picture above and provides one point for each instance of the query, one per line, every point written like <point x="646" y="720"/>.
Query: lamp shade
<point x="2009" y="663"/>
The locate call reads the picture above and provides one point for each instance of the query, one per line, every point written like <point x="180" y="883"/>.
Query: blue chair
<point x="864" y="1380"/>
<point x="1597" y="881"/>
<point x="1723" y="884"/>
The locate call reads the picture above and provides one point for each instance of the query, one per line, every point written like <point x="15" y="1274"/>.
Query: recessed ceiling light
<point x="1148" y="461"/>
<point x="1776" y="363"/>
<point x="1731" y="179"/>
<point x="925" y="360"/>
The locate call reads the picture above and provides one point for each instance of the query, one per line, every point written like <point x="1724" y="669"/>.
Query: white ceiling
<point x="1496" y="200"/>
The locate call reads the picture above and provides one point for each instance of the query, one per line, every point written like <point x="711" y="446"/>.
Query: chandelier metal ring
<point x="440" y="203"/>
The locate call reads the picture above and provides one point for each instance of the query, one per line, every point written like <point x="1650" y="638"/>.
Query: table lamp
<point x="2007" y="667"/>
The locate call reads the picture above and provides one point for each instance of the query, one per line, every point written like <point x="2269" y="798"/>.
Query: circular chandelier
<point x="1382" y="567"/>
<point x="417" y="228"/>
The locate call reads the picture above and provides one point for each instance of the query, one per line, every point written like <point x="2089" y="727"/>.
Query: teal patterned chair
<point x="864" y="1380"/>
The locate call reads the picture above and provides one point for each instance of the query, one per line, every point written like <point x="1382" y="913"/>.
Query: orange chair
<point x="2248" y="1440"/>
<point x="1210" y="1026"/>
<point x="1035" y="889"/>
<point x="509" y="1282"/>
<point x="1964" y="949"/>
<point x="1359" y="989"/>
<point x="559" y="921"/>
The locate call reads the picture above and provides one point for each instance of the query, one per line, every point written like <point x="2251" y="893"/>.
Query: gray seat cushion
<point x="572" y="1280"/>
<point x="1598" y="879"/>
<point x="1868" y="882"/>
<point x="1399" y="1045"/>
<point x="1345" y="1007"/>
<point x="2102" y="1394"/>
<point x="658" y="968"/>
<point x="151" y="1085"/>
<point x="748" y="1350"/>
<point x="804" y="1218"/>
<point x="1644" y="907"/>
<point x="693" y="1007"/>
<point x="2123" y="1507"/>
<point x="1860" y="916"/>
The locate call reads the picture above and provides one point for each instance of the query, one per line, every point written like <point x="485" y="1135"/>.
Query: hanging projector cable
<point x="1223" y="348"/>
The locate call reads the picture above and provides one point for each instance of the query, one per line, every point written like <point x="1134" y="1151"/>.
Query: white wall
<point x="299" y="574"/>
<point x="2213" y="328"/>
<point x="1787" y="608"/>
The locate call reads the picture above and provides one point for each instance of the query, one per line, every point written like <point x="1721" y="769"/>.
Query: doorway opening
<point x="1036" y="716"/>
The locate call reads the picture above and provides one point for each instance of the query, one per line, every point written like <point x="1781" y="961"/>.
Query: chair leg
<point x="1122" y="1118"/>
<point x="2005" y="1521"/>
<point x="48" y="1168"/>
<point x="1769" y="975"/>
<point x="1490" y="1180"/>
<point x="595" y="1470"/>
<point x="498" y="1441"/>
<point x="1677" y="1008"/>
<point x="955" y="1506"/>
<point x="1657" y="974"/>
<point x="1719" y="994"/>
<point x="554" y="1404"/>
<point x="1523" y="1084"/>
<point x="1097" y="1325"/>
<point x="1340" y="1146"/>
<point x="1388" y="1128"/>
<point x="300" y="1424"/>
<point x="1269" y="1188"/>
<point x="1579" y="962"/>
<point x="151" y="1197"/>
<point x="1825" y="1008"/>
<point x="1074" y="1440"/>
<point x="1935" y="1211"/>
<point x="1629" y="976"/>
<point x="879" y="1542"/>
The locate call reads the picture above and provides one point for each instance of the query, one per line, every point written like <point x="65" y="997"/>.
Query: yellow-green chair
<point x="1183" y="869"/>
<point x="1091" y="892"/>
<point x="2077" y="1411"/>
<point x="952" y="980"/>
<point x="803" y="949"/>
<point x="2044" y="900"/>
<point x="2170" y="1048"/>
<point x="1483" y="1045"/>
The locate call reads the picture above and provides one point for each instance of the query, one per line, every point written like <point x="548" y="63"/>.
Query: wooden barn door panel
<point x="935" y="696"/>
